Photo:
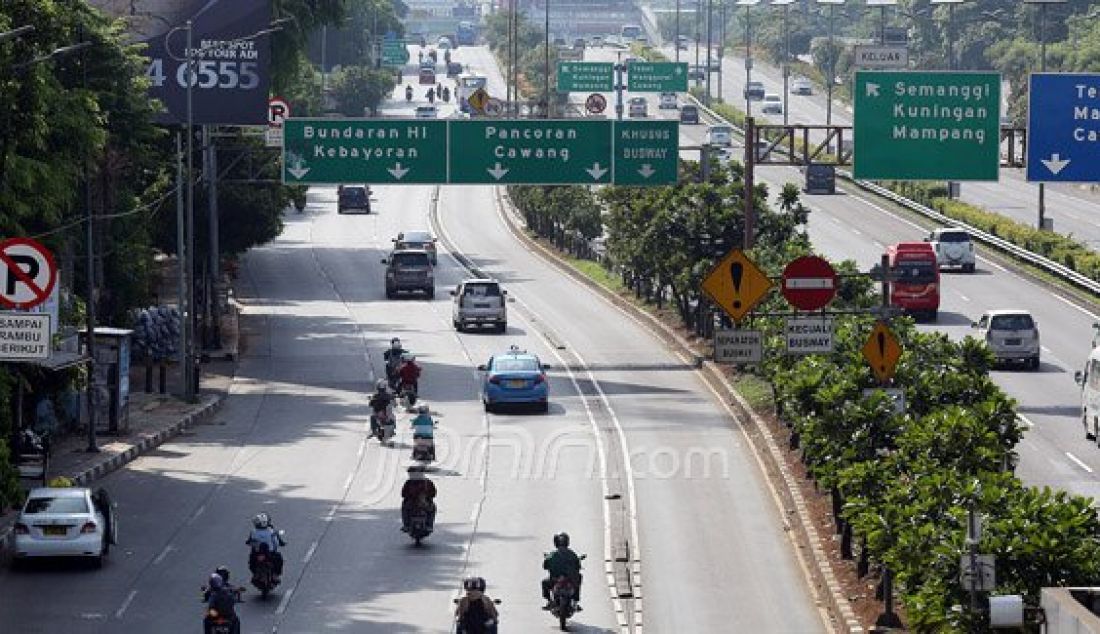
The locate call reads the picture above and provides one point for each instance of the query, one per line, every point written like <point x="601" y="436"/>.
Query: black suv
<point x="409" y="270"/>
<point x="350" y="198"/>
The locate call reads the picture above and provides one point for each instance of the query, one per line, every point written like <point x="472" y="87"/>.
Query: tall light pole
<point x="882" y="5"/>
<point x="721" y="46"/>
<point x="546" y="62"/>
<point x="831" y="78"/>
<point x="1042" y="68"/>
<point x="676" y="40"/>
<point x="951" y="65"/>
<point x="710" y="46"/>
<point x="748" y="4"/>
<point x="786" y="4"/>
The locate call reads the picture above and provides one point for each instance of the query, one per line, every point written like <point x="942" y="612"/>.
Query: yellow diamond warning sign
<point x="882" y="351"/>
<point x="736" y="284"/>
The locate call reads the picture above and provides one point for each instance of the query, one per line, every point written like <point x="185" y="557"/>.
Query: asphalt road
<point x="1074" y="208"/>
<point x="291" y="441"/>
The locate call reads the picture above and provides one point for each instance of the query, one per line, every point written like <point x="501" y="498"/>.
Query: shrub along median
<point x="901" y="483"/>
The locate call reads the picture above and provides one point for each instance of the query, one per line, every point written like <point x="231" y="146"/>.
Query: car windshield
<point x="688" y="109"/>
<point x="410" y="259"/>
<point x="954" y="236"/>
<point x="56" y="505"/>
<point x="914" y="272"/>
<point x="720" y="130"/>
<point x="515" y="364"/>
<point x="1011" y="322"/>
<point x="482" y="290"/>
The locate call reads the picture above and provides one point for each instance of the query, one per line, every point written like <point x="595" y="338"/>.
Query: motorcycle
<point x="423" y="449"/>
<point x="419" y="527"/>
<point x="564" y="600"/>
<point x="464" y="625"/>
<point x="214" y="622"/>
<point x="408" y="395"/>
<point x="408" y="93"/>
<point x="263" y="571"/>
<point x="384" y="425"/>
<point x="392" y="363"/>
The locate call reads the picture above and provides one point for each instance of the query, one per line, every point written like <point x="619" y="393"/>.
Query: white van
<point x="720" y="135"/>
<point x="1089" y="380"/>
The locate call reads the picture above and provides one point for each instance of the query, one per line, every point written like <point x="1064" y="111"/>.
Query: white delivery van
<point x="1089" y="380"/>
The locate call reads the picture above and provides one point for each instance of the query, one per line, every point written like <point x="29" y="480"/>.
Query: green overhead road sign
<point x="657" y="76"/>
<point x="479" y="151"/>
<point x="394" y="53"/>
<point x="336" y="151"/>
<point x="646" y="152"/>
<point x="534" y="151"/>
<point x="927" y="125"/>
<point x="586" y="76"/>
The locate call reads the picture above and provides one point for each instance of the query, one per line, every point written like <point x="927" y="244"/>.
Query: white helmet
<point x="423" y="408"/>
<point x="381" y="385"/>
<point x="261" y="520"/>
<point x="395" y="343"/>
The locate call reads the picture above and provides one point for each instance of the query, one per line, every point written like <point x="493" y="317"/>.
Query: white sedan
<point x="65" y="522"/>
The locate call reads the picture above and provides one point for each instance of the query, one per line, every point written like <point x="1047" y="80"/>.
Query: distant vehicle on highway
<point x="465" y="34"/>
<point x="697" y="72"/>
<point x="953" y="248"/>
<point x="667" y="101"/>
<point x="479" y="302"/>
<point x="417" y="239"/>
<point x="682" y="42"/>
<point x="427" y="112"/>
<point x="630" y="32"/>
<point x="515" y="377"/>
<point x="579" y="43"/>
<point x="1089" y="380"/>
<point x="820" y="179"/>
<point x="915" y="286"/>
<point x="754" y="91"/>
<point x="802" y="86"/>
<point x="773" y="104"/>
<point x="689" y="114"/>
<point x="444" y="43"/>
<point x="597" y="41"/>
<point x="427" y="76"/>
<point x="720" y="135"/>
<point x="639" y="107"/>
<point x="1012" y="335"/>
<point x="409" y="270"/>
<point x="352" y="198"/>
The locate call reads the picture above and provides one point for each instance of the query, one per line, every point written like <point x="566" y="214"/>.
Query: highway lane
<point x="1054" y="452"/>
<point x="1074" y="208"/>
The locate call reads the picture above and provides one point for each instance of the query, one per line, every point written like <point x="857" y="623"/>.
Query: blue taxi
<point x="516" y="376"/>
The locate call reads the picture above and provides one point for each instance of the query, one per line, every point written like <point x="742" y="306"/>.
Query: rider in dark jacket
<point x="563" y="562"/>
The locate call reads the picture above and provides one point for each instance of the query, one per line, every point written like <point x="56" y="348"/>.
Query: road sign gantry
<point x="480" y="151"/>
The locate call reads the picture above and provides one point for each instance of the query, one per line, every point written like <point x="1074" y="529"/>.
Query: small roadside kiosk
<point x="111" y="379"/>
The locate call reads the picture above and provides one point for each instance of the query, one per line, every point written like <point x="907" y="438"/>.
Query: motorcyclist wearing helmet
<point x="562" y="562"/>
<point x="408" y="92"/>
<point x="221" y="599"/>
<point x="264" y="534"/>
<point x="409" y="372"/>
<point x="422" y="424"/>
<point x="380" y="403"/>
<point x="418" y="492"/>
<point x="221" y="571"/>
<point x="392" y="356"/>
<point x="476" y="612"/>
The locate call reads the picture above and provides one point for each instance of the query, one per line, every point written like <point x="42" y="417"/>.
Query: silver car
<point x="479" y="302"/>
<point x="1012" y="335"/>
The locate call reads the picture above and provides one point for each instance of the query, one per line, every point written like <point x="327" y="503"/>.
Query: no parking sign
<point x="29" y="273"/>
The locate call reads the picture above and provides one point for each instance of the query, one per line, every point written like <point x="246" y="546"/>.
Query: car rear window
<point x="954" y="236"/>
<point x="914" y="272"/>
<point x="515" y="364"/>
<point x="353" y="193"/>
<point x="56" y="505"/>
<point x="410" y="259"/>
<point x="1011" y="322"/>
<point x="416" y="236"/>
<point x="482" y="290"/>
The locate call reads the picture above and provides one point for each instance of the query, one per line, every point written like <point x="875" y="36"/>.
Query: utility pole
<point x="750" y="184"/>
<point x="181" y="256"/>
<point x="721" y="46"/>
<point x="676" y="43"/>
<point x="211" y="170"/>
<point x="89" y="254"/>
<point x="710" y="47"/>
<point x="786" y="4"/>
<point x="191" y="387"/>
<point x="1042" y="69"/>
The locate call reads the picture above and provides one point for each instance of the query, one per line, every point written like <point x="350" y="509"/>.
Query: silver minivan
<point x="479" y="302"/>
<point x="1012" y="335"/>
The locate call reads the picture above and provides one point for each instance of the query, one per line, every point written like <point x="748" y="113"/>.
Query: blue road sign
<point x="1063" y="128"/>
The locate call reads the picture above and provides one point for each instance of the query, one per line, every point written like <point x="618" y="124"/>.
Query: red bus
<point x="915" y="279"/>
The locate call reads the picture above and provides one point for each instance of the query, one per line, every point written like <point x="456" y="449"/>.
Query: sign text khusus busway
<point x="927" y="125"/>
<point x="480" y="151"/>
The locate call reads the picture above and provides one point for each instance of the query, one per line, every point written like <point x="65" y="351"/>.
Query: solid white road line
<point x="309" y="553"/>
<point x="164" y="553"/>
<point x="285" y="600"/>
<point x="1077" y="460"/>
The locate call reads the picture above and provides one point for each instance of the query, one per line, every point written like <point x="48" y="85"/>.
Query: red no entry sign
<point x="809" y="283"/>
<point x="29" y="273"/>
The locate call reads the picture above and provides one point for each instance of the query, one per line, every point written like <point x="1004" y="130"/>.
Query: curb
<point x="817" y="564"/>
<point x="146" y="444"/>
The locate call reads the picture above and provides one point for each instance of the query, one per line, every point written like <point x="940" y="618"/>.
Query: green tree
<point x="359" y="89"/>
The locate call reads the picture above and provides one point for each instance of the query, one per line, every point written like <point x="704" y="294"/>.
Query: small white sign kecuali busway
<point x="809" y="335"/>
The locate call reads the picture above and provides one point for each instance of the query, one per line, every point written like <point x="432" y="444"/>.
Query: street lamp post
<point x="1042" y="69"/>
<point x="951" y="65"/>
<point x="748" y="4"/>
<point x="546" y="62"/>
<point x="676" y="40"/>
<point x="721" y="45"/>
<point x="831" y="79"/>
<point x="786" y="4"/>
<point x="710" y="46"/>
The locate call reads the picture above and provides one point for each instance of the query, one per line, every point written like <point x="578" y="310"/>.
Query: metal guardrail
<point x="1059" y="270"/>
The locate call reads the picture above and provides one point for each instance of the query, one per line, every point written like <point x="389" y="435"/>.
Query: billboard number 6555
<point x="208" y="74"/>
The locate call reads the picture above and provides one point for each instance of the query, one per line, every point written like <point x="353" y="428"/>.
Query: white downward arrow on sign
<point x="1055" y="163"/>
<point x="596" y="172"/>
<point x="647" y="170"/>
<point x="397" y="171"/>
<point x="298" y="172"/>
<point x="872" y="89"/>
<point x="497" y="172"/>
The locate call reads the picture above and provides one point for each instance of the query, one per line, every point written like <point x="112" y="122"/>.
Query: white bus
<point x="467" y="84"/>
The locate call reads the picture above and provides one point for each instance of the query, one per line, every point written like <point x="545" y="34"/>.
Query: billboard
<point x="229" y="85"/>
